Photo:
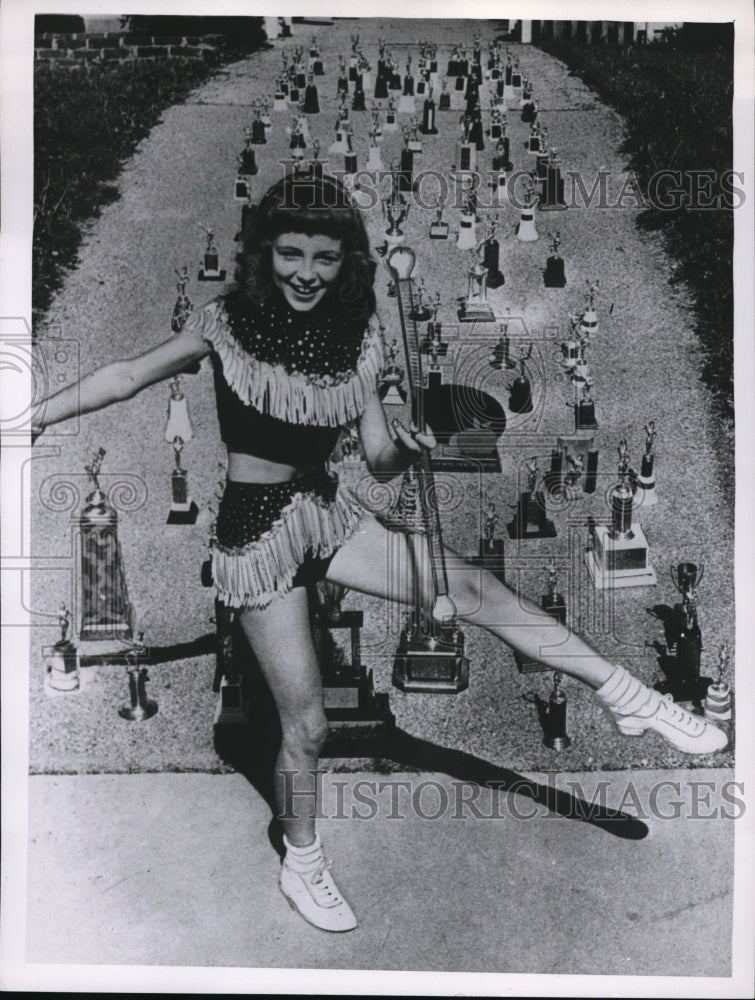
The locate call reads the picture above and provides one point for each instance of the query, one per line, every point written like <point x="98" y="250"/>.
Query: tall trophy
<point x="555" y="273"/>
<point x="444" y="101"/>
<point x="571" y="347"/>
<point x="374" y="157"/>
<point x="584" y="408"/>
<point x="183" y="510"/>
<point x="395" y="211"/>
<point x="63" y="666"/>
<point x="211" y="270"/>
<point x="556" y="737"/>
<point x="531" y="518"/>
<point x="574" y="466"/>
<point x="179" y="424"/>
<point x="552" y="186"/>
<point x="589" y="319"/>
<point x="467" y="236"/>
<point x="619" y="554"/>
<point x="554" y="604"/>
<point x="428" y="115"/>
<point x="421" y="309"/>
<point x="717" y="707"/>
<point x="140" y="706"/>
<point x="475" y="308"/>
<point x="106" y="619"/>
<point x="490" y="551"/>
<point x="526" y="230"/>
<point x="466" y="152"/>
<point x="646" y="495"/>
<point x="491" y="258"/>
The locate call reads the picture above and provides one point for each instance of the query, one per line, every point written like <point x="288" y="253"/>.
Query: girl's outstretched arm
<point x="121" y="380"/>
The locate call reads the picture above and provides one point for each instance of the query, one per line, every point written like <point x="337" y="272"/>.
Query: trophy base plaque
<point x="64" y="667"/>
<point x="210" y="275"/>
<point x="584" y="417"/>
<point x="557" y="742"/>
<point x="439" y="231"/>
<point x="183" y="513"/>
<point x="138" y="713"/>
<point x="555" y="274"/>
<point x="620" y="561"/>
<point x="426" y="347"/>
<point x="645" y="495"/>
<point x="430" y="664"/>
<point x="415" y="145"/>
<point x="240" y="190"/>
<point x="475" y="312"/>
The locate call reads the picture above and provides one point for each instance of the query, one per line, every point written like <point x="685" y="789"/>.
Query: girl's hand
<point x="37" y="428"/>
<point x="411" y="440"/>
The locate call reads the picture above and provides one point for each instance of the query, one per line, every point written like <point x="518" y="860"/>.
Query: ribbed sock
<point x="303" y="858"/>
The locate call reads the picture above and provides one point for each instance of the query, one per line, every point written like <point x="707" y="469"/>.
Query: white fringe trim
<point x="252" y="576"/>
<point x="321" y="400"/>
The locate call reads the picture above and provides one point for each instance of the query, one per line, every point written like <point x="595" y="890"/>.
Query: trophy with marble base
<point x="717" y="707"/>
<point x="391" y="390"/>
<point x="63" y="659"/>
<point x="349" y="696"/>
<point x="555" y="273"/>
<point x="556" y="737"/>
<point x="211" y="270"/>
<point x="619" y="554"/>
<point x="554" y="604"/>
<point x="430" y="659"/>
<point x="646" y="495"/>
<point x="140" y="706"/>
<point x="183" y="510"/>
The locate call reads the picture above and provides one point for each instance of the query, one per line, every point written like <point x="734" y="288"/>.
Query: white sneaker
<point x="636" y="708"/>
<point x="315" y="895"/>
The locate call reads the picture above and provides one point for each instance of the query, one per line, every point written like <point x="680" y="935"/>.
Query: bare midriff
<point x="249" y="469"/>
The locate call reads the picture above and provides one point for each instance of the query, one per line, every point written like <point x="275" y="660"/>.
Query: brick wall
<point x="73" y="50"/>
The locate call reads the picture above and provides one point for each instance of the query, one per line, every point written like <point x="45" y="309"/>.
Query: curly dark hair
<point x="313" y="206"/>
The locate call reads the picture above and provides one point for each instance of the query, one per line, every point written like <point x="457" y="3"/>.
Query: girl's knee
<point x="306" y="733"/>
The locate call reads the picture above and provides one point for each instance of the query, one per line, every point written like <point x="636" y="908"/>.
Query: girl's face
<point x="304" y="267"/>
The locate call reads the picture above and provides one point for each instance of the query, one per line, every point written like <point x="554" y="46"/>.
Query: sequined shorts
<point x="271" y="537"/>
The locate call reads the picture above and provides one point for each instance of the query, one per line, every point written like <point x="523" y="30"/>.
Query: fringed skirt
<point x="271" y="537"/>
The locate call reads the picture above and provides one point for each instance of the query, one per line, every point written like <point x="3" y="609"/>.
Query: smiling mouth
<point x="304" y="291"/>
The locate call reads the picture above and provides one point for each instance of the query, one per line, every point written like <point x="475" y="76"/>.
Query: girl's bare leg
<point x="386" y="564"/>
<point x="281" y="639"/>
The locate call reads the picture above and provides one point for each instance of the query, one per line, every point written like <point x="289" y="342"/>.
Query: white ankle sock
<point x="303" y="857"/>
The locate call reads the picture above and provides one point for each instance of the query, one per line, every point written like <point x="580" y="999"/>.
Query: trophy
<point x="342" y="85"/>
<point x="179" y="424"/>
<point x="444" y="101"/>
<point x="520" y="390"/>
<point x="395" y="210"/>
<point x="555" y="274"/>
<point x="491" y="256"/>
<point x="571" y="348"/>
<point x="430" y="658"/>
<point x="717" y="707"/>
<point x="534" y="140"/>
<point x="391" y="390"/>
<point x="685" y="639"/>
<point x="476" y="130"/>
<point x="584" y="409"/>
<point x="556" y="737"/>
<point x="63" y="668"/>
<point x="183" y="307"/>
<point x="467" y="235"/>
<point x="210" y="271"/>
<point x="374" y="158"/>
<point x="526" y="231"/>
<point x="552" y="184"/>
<point x="428" y="115"/>
<point x="554" y="604"/>
<point x="531" y="518"/>
<point x="528" y="106"/>
<point x="316" y="165"/>
<point x="500" y="357"/>
<point x="574" y="467"/>
<point x="414" y="142"/>
<point x="311" y="104"/>
<point x="438" y="227"/>
<point x="247" y="167"/>
<point x="140" y="707"/>
<point x="466" y="152"/>
<point x="280" y="102"/>
<point x="490" y="553"/>
<point x="258" y="126"/>
<point x="619" y="554"/>
<point x="106" y="620"/>
<point x="340" y="143"/>
<point x="646" y="495"/>
<point x="391" y="125"/>
<point x="297" y="142"/>
<point x="589" y="320"/>
<point x="406" y="104"/>
<point x="349" y="696"/>
<point x="183" y="510"/>
<point x="421" y="309"/>
<point x="349" y="157"/>
<point x="580" y="371"/>
<point x="476" y="308"/>
<point x="496" y="124"/>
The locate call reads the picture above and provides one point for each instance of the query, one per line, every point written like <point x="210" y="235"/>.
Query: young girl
<point x="296" y="351"/>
